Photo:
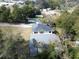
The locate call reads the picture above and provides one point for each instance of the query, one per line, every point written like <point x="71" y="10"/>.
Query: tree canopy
<point x="49" y="3"/>
<point x="18" y="14"/>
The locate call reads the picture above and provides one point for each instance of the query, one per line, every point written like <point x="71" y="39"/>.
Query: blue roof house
<point x="41" y="33"/>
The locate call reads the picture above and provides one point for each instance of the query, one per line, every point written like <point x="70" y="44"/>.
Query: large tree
<point x="18" y="14"/>
<point x="4" y="14"/>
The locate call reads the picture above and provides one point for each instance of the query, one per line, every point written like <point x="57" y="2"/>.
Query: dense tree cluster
<point x="49" y="3"/>
<point x="53" y="4"/>
<point x="17" y="14"/>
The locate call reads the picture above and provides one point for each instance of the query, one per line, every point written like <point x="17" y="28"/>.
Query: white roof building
<point x="6" y="4"/>
<point x="11" y="2"/>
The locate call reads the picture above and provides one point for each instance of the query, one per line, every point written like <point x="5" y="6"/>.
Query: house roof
<point x="41" y="27"/>
<point x="45" y="38"/>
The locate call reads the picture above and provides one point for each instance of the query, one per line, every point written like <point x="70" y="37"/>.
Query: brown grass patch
<point x="25" y="32"/>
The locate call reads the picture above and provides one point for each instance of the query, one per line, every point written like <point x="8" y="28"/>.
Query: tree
<point x="21" y="14"/>
<point x="54" y="3"/>
<point x="48" y="3"/>
<point x="75" y="15"/>
<point x="17" y="14"/>
<point x="4" y="14"/>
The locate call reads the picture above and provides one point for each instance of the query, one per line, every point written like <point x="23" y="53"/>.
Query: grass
<point x="25" y="32"/>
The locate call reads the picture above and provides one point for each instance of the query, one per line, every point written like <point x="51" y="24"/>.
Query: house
<point x="43" y="32"/>
<point x="9" y="3"/>
<point x="42" y="35"/>
<point x="39" y="27"/>
<point x="6" y="4"/>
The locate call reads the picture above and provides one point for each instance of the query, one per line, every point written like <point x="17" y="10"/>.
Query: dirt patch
<point x="25" y="32"/>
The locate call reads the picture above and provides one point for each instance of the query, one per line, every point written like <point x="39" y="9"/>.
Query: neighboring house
<point x="6" y="4"/>
<point x="41" y="34"/>
<point x="9" y="3"/>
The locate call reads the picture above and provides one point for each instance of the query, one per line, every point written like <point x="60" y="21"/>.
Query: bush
<point x="49" y="53"/>
<point x="12" y="47"/>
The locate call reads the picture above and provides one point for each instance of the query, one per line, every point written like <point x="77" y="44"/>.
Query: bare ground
<point x="24" y="30"/>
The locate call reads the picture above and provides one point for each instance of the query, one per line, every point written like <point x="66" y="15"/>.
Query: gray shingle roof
<point x="41" y="27"/>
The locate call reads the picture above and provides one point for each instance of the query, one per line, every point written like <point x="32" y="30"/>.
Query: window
<point x="49" y="31"/>
<point x="35" y="32"/>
